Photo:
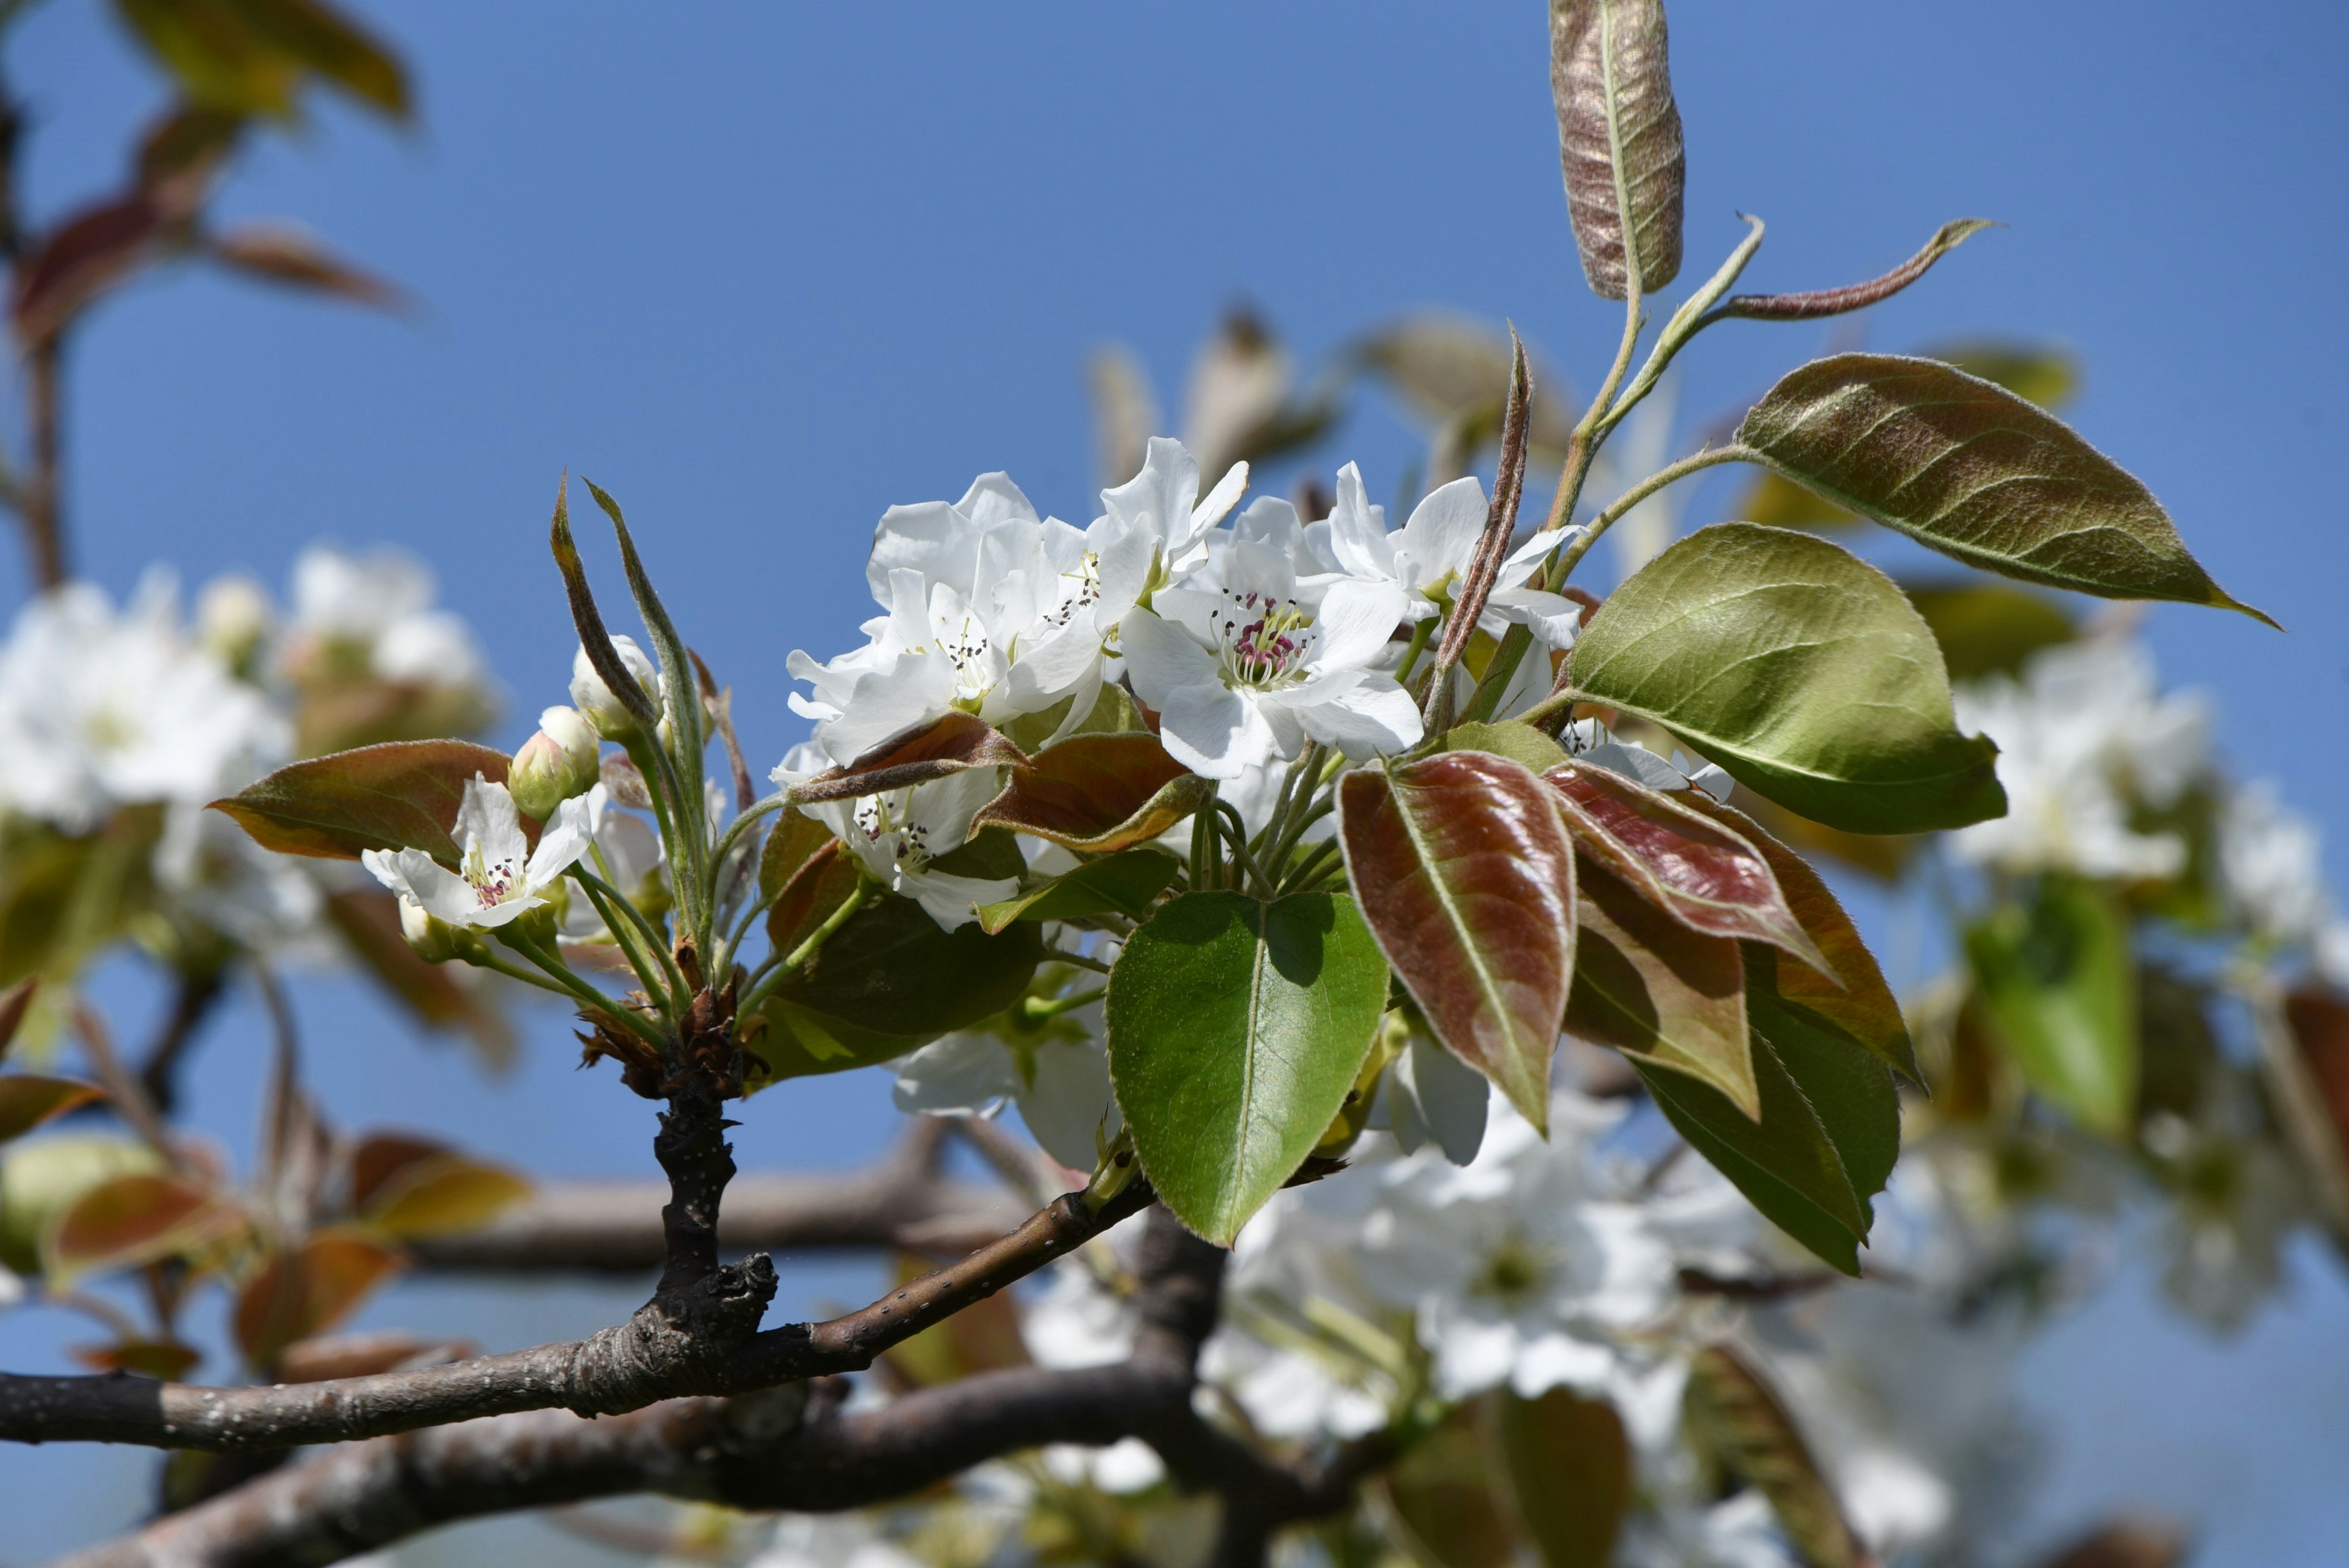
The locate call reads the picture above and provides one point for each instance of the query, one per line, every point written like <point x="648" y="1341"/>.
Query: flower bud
<point x="233" y="617"/>
<point x="431" y="938"/>
<point x="611" y="717"/>
<point x="563" y="760"/>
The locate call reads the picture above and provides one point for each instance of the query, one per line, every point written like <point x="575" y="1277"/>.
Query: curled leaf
<point x="281" y="253"/>
<point x="1739" y="1417"/>
<point x="1094" y="793"/>
<point x="931" y="750"/>
<point x="1857" y="296"/>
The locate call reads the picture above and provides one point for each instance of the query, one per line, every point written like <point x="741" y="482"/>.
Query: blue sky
<point x="762" y="271"/>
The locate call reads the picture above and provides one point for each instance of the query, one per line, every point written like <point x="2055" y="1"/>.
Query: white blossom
<point x="898" y="835"/>
<point x="498" y="877"/>
<point x="1056" y="1074"/>
<point x="380" y="605"/>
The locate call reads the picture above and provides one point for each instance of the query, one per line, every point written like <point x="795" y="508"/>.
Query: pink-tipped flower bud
<point x="612" y="720"/>
<point x="563" y="760"/>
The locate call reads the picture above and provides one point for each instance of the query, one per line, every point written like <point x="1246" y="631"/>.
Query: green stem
<point x="1420" y="635"/>
<point x="1562" y="565"/>
<point x="734" y="829"/>
<point x="656" y="947"/>
<point x="1305" y="871"/>
<point x="808" y="948"/>
<point x="1036" y="1010"/>
<point x="560" y="973"/>
<point x="1236" y="835"/>
<point x="1082" y="960"/>
<point x="1203" y="858"/>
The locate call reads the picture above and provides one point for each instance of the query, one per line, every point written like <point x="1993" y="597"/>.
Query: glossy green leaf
<point x="1236" y="1029"/>
<point x="1969" y="469"/>
<point x="1122" y="884"/>
<point x="1856" y="999"/>
<point x="28" y="1099"/>
<point x="1096" y="794"/>
<point x="1664" y="995"/>
<point x="1737" y="1415"/>
<point x="1618" y="138"/>
<point x="1798" y="667"/>
<point x="1569" y="1464"/>
<point x="1467" y="877"/>
<point x="1989" y="628"/>
<point x="2055" y="977"/>
<point x="402" y="794"/>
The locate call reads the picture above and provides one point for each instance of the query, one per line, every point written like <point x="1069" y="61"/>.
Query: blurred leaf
<point x="1521" y="744"/>
<point x="1855" y="1000"/>
<point x="1094" y="793"/>
<point x="1465" y="876"/>
<point x="1661" y="993"/>
<point x="1443" y="1499"/>
<point x="1125" y="416"/>
<point x="27" y="1099"/>
<point x="251" y="57"/>
<point x="439" y="1195"/>
<point x="1988" y="629"/>
<point x="1614" y="92"/>
<point x="1967" y="468"/>
<point x="308" y="1288"/>
<point x="1570" y="1466"/>
<point x="281" y="254"/>
<point x="2059" y="988"/>
<point x="1449" y="370"/>
<point x="1776" y="501"/>
<point x="436" y="994"/>
<point x="165" y="1360"/>
<point x="1738" y="1418"/>
<point x="402" y="794"/>
<point x="340" y="711"/>
<point x="82" y="258"/>
<point x="41" y="1179"/>
<point x="954" y="744"/>
<point x="1236" y="1029"/>
<point x="1798" y="667"/>
<point x="329" y="1356"/>
<point x="1122" y="884"/>
<point x="2037" y="372"/>
<point x="126" y="1221"/>
<point x="1883" y="855"/>
<point x="982" y="1337"/>
<point x="1690" y="864"/>
<point x="14" y="1002"/>
<point x="2126" y="1544"/>
<point x="1238" y="408"/>
<point x="2304" y="1056"/>
<point x="186" y="146"/>
<point x="2177" y="1050"/>
<point x="63" y="898"/>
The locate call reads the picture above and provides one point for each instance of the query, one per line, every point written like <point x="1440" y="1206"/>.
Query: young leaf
<point x="1236" y="1029"/>
<point x="1737" y="1416"/>
<point x="1120" y="884"/>
<point x="402" y="794"/>
<point x="1619" y="137"/>
<point x="1856" y="1000"/>
<point x="1521" y="744"/>
<point x="132" y="1219"/>
<point x="1661" y="993"/>
<point x="1857" y="296"/>
<point x="1569" y="1464"/>
<point x="1700" y="872"/>
<point x="1451" y="373"/>
<point x="810" y="894"/>
<point x="2060" y="988"/>
<point x="1798" y="667"/>
<point x="1096" y="794"/>
<point x="1970" y="469"/>
<point x="795" y="839"/>
<point x="308" y="1288"/>
<point x="889" y="970"/>
<point x="932" y="750"/>
<point x="28" y="1099"/>
<point x="14" y="1002"/>
<point x="41" y="1179"/>
<point x="1467" y="877"/>
<point x="289" y="256"/>
<point x="442" y="1195"/>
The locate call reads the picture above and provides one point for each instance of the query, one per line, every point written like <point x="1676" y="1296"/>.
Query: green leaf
<point x="1969" y="469"/>
<point x="2060" y="988"/>
<point x="14" y="1002"/>
<point x="1570" y="1466"/>
<point x="1096" y="794"/>
<point x="1618" y="138"/>
<point x="1120" y="884"/>
<point x="402" y="794"/>
<point x="890" y="968"/>
<point x="249" y="55"/>
<point x="441" y="1195"/>
<point x="2039" y="372"/>
<point x="1521" y="744"/>
<point x="1466" y="876"/>
<point x="1661" y="993"/>
<point x="1236" y="1029"/>
<point x="1855" y="1000"/>
<point x="28" y="1099"/>
<point x="1989" y="628"/>
<point x="1798" y="667"/>
<point x="1735" y="1415"/>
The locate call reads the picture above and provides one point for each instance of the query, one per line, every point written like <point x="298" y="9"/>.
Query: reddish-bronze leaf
<point x="135" y="1220"/>
<point x="1461" y="867"/>
<point x="362" y="1354"/>
<point x="28" y="1099"/>
<point x="308" y="1290"/>
<point x="443" y="1195"/>
<point x="165" y="1360"/>
<point x="380" y="1157"/>
<point x="810" y="894"/>
<point x="83" y="257"/>
<point x="1096" y="793"/>
<point x="927" y="750"/>
<point x="1646" y="984"/>
<point x="1704" y="874"/>
<point x="14" y="1002"/>
<point x="1853" y="996"/>
<point x="402" y="794"/>
<point x="281" y="254"/>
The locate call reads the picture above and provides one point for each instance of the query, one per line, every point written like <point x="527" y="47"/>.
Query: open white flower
<point x="499" y="878"/>
<point x="898" y="836"/>
<point x="379" y="607"/>
<point x="1247" y="672"/>
<point x="1057" y="1076"/>
<point x="1161" y="504"/>
<point x="1430" y="554"/>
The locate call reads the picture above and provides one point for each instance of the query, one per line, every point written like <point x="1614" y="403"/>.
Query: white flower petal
<point x="1214" y="732"/>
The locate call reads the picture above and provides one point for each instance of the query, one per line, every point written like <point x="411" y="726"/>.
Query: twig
<point x="42" y="512"/>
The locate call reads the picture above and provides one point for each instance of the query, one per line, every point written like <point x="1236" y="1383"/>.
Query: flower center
<point x="1266" y="640"/>
<point x="1080" y="589"/>
<point x="878" y="819"/>
<point x="493" y="882"/>
<point x="1512" y="1272"/>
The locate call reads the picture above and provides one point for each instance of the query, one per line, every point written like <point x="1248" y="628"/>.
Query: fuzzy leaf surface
<point x="953" y="744"/>
<point x="401" y="795"/>
<point x="1965" y="467"/>
<point x="1798" y="667"/>
<point x="1236" y="1027"/>
<point x="1096" y="794"/>
<point x="1618" y="126"/>
<point x="1467" y="877"/>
